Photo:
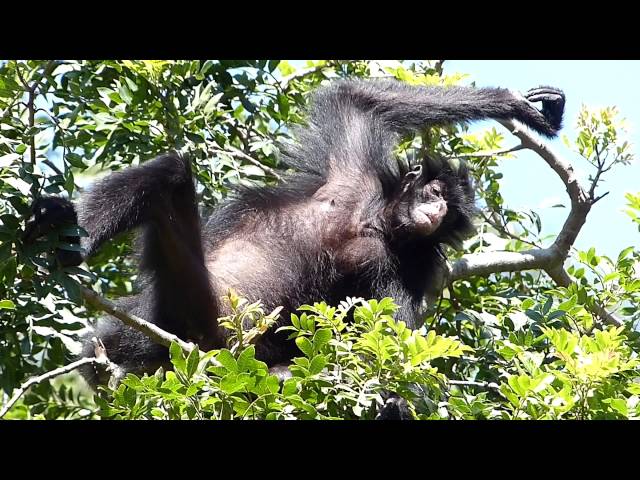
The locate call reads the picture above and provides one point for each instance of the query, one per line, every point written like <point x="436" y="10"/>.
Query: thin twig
<point x="152" y="331"/>
<point x="469" y="383"/>
<point x="502" y="229"/>
<point x="47" y="376"/>
<point x="599" y="197"/>
<point x="492" y="153"/>
<point x="32" y="94"/>
<point x="235" y="152"/>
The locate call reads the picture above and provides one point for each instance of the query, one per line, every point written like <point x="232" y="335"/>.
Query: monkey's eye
<point x="434" y="189"/>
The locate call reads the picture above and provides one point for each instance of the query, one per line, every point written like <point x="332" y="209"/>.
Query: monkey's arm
<point x="352" y="124"/>
<point x="408" y="107"/>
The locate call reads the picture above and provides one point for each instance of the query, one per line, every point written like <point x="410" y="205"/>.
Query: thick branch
<point x="487" y="263"/>
<point x="580" y="200"/>
<point x="439" y="66"/>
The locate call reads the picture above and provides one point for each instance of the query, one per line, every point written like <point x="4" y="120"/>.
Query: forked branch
<point x="550" y="259"/>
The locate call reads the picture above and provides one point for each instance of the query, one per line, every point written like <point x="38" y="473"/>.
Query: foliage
<point x="507" y="345"/>
<point x="343" y="372"/>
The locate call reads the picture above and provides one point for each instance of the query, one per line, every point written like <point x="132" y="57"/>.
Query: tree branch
<point x="487" y="263"/>
<point x="549" y="259"/>
<point x="492" y="153"/>
<point x="152" y="331"/>
<point x="49" y="375"/>
<point x="469" y="383"/>
<point x="233" y="151"/>
<point x="438" y="66"/>
<point x="503" y="230"/>
<point x="32" y="94"/>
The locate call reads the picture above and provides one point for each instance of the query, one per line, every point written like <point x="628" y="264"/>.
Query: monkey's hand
<point x="50" y="214"/>
<point x="552" y="103"/>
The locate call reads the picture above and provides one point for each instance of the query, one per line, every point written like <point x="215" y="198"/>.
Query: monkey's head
<point x="435" y="201"/>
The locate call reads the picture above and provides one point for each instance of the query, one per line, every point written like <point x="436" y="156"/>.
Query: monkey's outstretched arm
<point x="409" y="107"/>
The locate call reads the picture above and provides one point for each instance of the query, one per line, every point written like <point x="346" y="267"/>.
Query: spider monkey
<point x="350" y="222"/>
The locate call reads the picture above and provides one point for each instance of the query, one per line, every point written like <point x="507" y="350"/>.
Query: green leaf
<point x="227" y="360"/>
<point x="272" y="384"/>
<point x="192" y="361"/>
<point x="75" y="160"/>
<point x="317" y="364"/>
<point x="569" y="304"/>
<point x="177" y="357"/>
<point x="289" y="387"/>
<point x="71" y="247"/>
<point x="7" y="305"/>
<point x="125" y="94"/>
<point x="305" y="346"/>
<point x="285" y="68"/>
<point x="230" y="384"/>
<point x="192" y="390"/>
<point x="620" y="405"/>
<point x="246" y="360"/>
<point x="624" y="253"/>
<point x="321" y="338"/>
<point x="71" y="287"/>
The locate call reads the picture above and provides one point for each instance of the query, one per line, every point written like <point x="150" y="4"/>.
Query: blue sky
<point x="528" y="182"/>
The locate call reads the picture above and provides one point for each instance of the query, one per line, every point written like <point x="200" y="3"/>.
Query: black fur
<point x="341" y="226"/>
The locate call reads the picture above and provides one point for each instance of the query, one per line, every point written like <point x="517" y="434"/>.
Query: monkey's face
<point x="435" y="203"/>
<point x="425" y="201"/>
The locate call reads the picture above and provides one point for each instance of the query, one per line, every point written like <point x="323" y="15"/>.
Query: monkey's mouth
<point x="428" y="216"/>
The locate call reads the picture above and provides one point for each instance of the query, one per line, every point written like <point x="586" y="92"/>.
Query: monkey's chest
<point x="358" y="253"/>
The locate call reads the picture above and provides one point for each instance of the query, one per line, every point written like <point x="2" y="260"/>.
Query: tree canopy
<point x="525" y="327"/>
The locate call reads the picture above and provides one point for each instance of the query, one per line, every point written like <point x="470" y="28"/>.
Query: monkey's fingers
<point x="545" y="97"/>
<point x="544" y="90"/>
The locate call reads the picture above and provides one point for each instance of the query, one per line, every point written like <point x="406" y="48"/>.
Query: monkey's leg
<point x="176" y="294"/>
<point x="160" y="197"/>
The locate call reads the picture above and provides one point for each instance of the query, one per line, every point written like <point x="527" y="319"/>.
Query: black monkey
<point x="350" y="222"/>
